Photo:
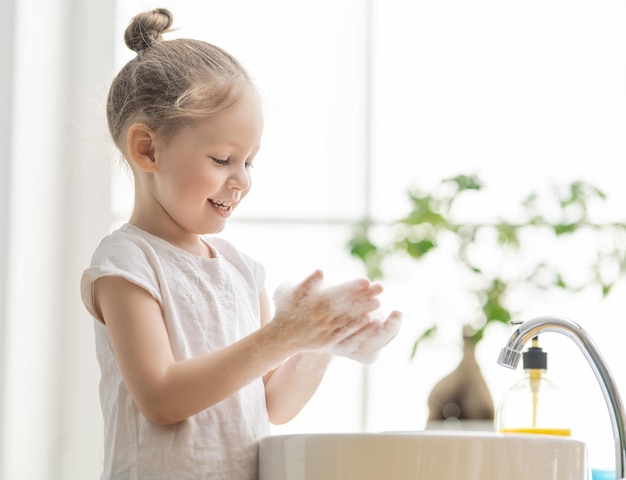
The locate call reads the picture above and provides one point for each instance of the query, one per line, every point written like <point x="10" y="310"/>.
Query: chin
<point x="215" y="228"/>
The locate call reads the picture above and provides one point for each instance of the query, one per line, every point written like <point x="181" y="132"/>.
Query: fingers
<point x="391" y="327"/>
<point x="293" y="293"/>
<point x="360" y="286"/>
<point x="348" y="326"/>
<point x="356" y="297"/>
<point x="312" y="281"/>
<point x="308" y="285"/>
<point x="393" y="323"/>
<point x="365" y="345"/>
<point x="315" y="317"/>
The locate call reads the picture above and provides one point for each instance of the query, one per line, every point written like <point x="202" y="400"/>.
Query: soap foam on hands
<point x="365" y="345"/>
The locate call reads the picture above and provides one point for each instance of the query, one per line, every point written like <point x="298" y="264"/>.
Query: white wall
<point x="58" y="209"/>
<point x="7" y="43"/>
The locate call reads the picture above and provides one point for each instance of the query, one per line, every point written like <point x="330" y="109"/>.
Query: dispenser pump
<point x="535" y="358"/>
<point x="534" y="404"/>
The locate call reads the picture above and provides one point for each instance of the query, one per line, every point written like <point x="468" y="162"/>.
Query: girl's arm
<point x="289" y="387"/>
<point x="167" y="391"/>
<point x="293" y="384"/>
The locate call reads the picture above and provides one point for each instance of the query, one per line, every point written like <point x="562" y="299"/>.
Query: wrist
<point x="277" y="339"/>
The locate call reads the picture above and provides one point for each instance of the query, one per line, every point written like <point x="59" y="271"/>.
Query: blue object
<point x="602" y="474"/>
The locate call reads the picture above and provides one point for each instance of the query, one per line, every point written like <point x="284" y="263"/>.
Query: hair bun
<point x="145" y="29"/>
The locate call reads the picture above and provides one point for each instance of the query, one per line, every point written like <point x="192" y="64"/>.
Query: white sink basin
<point x="424" y="455"/>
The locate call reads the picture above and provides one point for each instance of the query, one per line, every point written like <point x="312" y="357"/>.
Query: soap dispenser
<point x="534" y="404"/>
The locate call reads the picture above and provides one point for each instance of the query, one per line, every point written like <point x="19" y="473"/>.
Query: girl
<point x="194" y="366"/>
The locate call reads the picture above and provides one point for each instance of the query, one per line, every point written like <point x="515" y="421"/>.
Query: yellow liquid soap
<point x="563" y="432"/>
<point x="533" y="405"/>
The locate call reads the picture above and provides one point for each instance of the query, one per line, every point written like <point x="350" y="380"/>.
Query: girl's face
<point x="203" y="171"/>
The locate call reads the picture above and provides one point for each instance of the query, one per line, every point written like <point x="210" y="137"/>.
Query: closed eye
<point x="223" y="163"/>
<point x="220" y="162"/>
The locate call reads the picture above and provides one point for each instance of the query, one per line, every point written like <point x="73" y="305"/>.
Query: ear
<point x="140" y="143"/>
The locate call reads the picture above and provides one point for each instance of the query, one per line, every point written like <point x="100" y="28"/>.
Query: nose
<point x="239" y="179"/>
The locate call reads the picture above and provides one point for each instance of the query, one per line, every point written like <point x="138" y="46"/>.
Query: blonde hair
<point x="170" y="83"/>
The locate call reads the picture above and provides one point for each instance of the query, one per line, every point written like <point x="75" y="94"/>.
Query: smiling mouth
<point x="224" y="206"/>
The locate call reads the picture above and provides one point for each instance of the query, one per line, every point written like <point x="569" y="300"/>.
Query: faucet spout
<point x="510" y="355"/>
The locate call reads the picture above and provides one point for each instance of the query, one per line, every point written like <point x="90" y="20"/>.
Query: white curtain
<point x="57" y="58"/>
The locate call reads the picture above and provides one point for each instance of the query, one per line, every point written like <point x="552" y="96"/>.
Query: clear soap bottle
<point x="534" y="404"/>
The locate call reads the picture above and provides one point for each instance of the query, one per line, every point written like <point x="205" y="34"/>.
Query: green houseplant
<point x="561" y="214"/>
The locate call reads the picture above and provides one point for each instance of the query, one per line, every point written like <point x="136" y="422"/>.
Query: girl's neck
<point x="190" y="242"/>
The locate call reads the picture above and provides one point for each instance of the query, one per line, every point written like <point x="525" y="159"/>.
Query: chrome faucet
<point x="510" y="355"/>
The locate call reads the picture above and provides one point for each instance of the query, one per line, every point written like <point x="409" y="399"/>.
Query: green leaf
<point x="493" y="307"/>
<point x="562" y="228"/>
<point x="361" y="247"/>
<point x="428" y="333"/>
<point x="466" y="182"/>
<point x="418" y="249"/>
<point x="507" y="234"/>
<point x="422" y="212"/>
<point x="495" y="311"/>
<point x="560" y="282"/>
<point x="370" y="255"/>
<point x="419" y="217"/>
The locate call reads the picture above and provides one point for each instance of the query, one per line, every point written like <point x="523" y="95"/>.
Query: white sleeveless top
<point x="207" y="304"/>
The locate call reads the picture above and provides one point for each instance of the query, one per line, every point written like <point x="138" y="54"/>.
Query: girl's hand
<point x="365" y="345"/>
<point x="312" y="317"/>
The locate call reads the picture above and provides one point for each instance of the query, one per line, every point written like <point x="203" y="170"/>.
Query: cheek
<point x="197" y="181"/>
<point x="184" y="191"/>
